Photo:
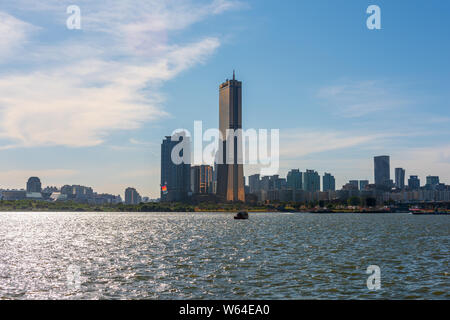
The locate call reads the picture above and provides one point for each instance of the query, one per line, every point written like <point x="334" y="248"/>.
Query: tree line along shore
<point x="338" y="207"/>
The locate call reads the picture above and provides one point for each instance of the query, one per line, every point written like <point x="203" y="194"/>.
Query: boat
<point x="241" y="215"/>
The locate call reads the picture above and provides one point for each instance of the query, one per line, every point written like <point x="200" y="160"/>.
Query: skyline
<point x="331" y="184"/>
<point x="339" y="93"/>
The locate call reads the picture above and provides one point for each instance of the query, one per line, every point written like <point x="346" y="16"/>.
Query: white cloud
<point x="14" y="34"/>
<point x="80" y="104"/>
<point x="77" y="92"/>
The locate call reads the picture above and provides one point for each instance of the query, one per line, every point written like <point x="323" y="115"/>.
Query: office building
<point x="414" y="183"/>
<point x="175" y="178"/>
<point x="382" y="171"/>
<point x="399" y="178"/>
<point x="34" y="185"/>
<point x="230" y="176"/>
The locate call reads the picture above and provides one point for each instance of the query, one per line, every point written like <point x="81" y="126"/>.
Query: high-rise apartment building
<point x="294" y="179"/>
<point x="254" y="183"/>
<point x="329" y="183"/>
<point x="132" y="196"/>
<point x="311" y="181"/>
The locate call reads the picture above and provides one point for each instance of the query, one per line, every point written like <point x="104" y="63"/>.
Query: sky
<point x="91" y="106"/>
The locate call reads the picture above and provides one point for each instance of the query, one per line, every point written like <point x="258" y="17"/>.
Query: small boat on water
<point x="241" y="215"/>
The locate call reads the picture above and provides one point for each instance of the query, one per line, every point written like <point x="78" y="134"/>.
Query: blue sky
<point x="91" y="106"/>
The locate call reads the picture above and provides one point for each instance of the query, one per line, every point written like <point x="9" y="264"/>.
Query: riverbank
<point x="68" y="206"/>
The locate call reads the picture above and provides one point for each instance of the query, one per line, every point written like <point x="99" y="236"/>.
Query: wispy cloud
<point x="356" y="99"/>
<point x="426" y="160"/>
<point x="14" y="34"/>
<point x="296" y="143"/>
<point x="109" y="77"/>
<point x="80" y="104"/>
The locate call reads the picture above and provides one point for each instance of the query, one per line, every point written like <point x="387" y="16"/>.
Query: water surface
<point x="212" y="256"/>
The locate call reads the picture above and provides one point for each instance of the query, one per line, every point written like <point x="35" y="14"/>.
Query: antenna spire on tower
<point x="234" y="78"/>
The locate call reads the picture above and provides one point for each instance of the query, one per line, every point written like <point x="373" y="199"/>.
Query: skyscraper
<point x="382" y="171"/>
<point x="400" y="178"/>
<point x="230" y="175"/>
<point x="329" y="183"/>
<point x="311" y="181"/>
<point x="175" y="178"/>
<point x="294" y="179"/>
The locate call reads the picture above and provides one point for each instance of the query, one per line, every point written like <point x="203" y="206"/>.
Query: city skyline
<point x="89" y="106"/>
<point x="189" y="180"/>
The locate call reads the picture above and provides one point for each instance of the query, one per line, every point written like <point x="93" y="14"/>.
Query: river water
<point x="212" y="256"/>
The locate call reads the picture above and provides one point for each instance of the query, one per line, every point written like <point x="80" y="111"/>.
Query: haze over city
<point x="91" y="106"/>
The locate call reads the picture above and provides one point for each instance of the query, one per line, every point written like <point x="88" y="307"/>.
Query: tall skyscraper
<point x="311" y="181"/>
<point x="230" y="175"/>
<point x="294" y="179"/>
<point x="414" y="183"/>
<point x="34" y="185"/>
<point x="400" y="178"/>
<point x="329" y="183"/>
<point x="175" y="178"/>
<point x="382" y="171"/>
